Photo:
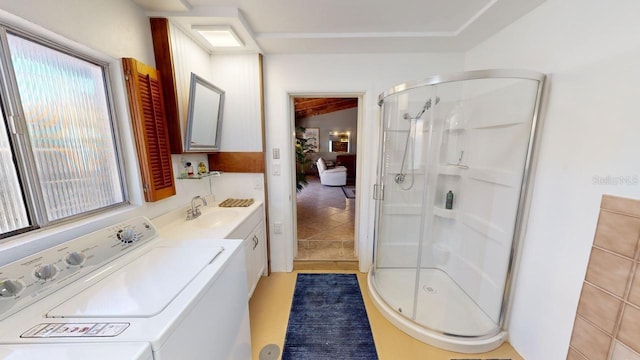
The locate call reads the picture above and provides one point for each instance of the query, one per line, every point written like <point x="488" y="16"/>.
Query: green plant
<point x="303" y="147"/>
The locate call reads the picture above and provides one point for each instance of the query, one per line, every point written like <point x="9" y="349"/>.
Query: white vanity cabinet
<point x="252" y="230"/>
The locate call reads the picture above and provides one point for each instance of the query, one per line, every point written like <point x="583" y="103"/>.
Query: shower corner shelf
<point x="449" y="169"/>
<point x="444" y="213"/>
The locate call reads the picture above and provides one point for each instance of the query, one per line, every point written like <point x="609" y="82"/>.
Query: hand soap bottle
<point x="449" y="202"/>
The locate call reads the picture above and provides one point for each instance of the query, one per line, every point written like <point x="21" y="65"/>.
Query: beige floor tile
<point x="269" y="311"/>
<point x="325" y="214"/>
<point x="325" y="244"/>
<point x="334" y="266"/>
<point x="305" y="232"/>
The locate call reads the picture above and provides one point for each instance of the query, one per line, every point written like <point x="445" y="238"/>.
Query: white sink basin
<point x="215" y="217"/>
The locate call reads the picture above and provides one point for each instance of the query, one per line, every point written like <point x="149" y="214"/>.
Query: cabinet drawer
<point x="243" y="230"/>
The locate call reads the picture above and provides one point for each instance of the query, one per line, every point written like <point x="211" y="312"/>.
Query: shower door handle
<point x="378" y="192"/>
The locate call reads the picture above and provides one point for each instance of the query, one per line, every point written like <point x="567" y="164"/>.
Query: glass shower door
<point x="404" y="176"/>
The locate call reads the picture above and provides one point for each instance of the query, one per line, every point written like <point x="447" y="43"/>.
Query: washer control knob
<point x="45" y="272"/>
<point x="10" y="288"/>
<point x="75" y="258"/>
<point x="126" y="236"/>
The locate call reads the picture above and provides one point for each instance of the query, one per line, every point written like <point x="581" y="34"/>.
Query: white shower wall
<point x="498" y="119"/>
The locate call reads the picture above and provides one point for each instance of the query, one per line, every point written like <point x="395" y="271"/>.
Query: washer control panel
<point x="31" y="278"/>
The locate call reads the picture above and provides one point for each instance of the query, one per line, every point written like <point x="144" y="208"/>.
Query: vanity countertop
<point x="215" y="222"/>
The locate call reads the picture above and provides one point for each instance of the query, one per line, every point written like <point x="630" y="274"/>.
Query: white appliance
<point x="122" y="351"/>
<point x="123" y="290"/>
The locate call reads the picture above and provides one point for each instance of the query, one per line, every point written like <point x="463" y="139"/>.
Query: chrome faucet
<point x="194" y="212"/>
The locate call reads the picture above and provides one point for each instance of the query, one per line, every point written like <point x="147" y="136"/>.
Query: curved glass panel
<point x="453" y="166"/>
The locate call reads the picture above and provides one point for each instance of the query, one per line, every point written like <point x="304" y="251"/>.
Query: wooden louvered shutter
<point x="150" y="129"/>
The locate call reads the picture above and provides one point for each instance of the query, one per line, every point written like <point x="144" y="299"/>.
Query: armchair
<point x="331" y="177"/>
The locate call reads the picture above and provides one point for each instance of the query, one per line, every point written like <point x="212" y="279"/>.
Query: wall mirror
<point x="204" y="118"/>
<point x="339" y="141"/>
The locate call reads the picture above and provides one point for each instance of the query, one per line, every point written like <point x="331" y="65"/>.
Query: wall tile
<point x="618" y="233"/>
<point x="623" y="205"/>
<point x="634" y="295"/>
<point x="621" y="352"/>
<point x="629" y="332"/>
<point x="613" y="263"/>
<point x="574" y="355"/>
<point x="589" y="340"/>
<point x="608" y="271"/>
<point x="599" y="308"/>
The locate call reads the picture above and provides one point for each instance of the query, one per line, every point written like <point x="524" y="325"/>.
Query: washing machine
<point x="122" y="351"/>
<point x="125" y="293"/>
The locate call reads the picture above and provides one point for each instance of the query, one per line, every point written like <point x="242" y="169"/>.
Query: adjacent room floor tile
<point x="326" y="221"/>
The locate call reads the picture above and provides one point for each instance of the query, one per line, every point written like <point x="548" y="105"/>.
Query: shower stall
<point x="450" y="201"/>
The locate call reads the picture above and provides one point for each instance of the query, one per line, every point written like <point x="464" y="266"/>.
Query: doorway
<point x="325" y="210"/>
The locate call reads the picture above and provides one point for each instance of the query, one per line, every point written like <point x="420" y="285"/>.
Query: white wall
<point x="339" y="121"/>
<point x="117" y="28"/>
<point x="107" y="30"/>
<point x="591" y="50"/>
<point x="188" y="57"/>
<point x="239" y="77"/>
<point x="368" y="74"/>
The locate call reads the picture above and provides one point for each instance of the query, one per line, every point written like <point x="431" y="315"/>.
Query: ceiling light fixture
<point x="218" y="36"/>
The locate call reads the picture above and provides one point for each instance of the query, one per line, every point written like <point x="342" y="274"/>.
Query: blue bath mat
<point x="328" y="320"/>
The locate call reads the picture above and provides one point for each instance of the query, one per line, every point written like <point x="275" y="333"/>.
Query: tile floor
<point x="326" y="220"/>
<point x="269" y="311"/>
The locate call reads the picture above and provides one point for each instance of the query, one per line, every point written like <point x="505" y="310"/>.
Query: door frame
<point x="292" y="166"/>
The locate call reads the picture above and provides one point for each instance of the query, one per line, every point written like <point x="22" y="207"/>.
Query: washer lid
<point x="142" y="288"/>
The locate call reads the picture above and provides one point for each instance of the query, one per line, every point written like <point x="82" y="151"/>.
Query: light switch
<point x="277" y="227"/>
<point x="275" y="169"/>
<point x="276" y="153"/>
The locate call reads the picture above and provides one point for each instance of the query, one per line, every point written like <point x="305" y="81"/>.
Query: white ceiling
<point x="348" y="26"/>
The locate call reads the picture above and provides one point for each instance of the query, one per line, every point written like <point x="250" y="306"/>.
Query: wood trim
<point x="262" y="117"/>
<point x="245" y="162"/>
<point x="264" y="150"/>
<point x="161" y="36"/>
<point x="144" y="90"/>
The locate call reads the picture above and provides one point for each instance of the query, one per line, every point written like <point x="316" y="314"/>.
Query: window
<point x="58" y="153"/>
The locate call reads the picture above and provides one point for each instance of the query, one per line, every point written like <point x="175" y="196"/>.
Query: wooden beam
<point x="245" y="162"/>
<point x="163" y="54"/>
<point x="306" y="107"/>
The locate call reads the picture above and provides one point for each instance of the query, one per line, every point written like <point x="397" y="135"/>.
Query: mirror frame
<point x="193" y="116"/>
